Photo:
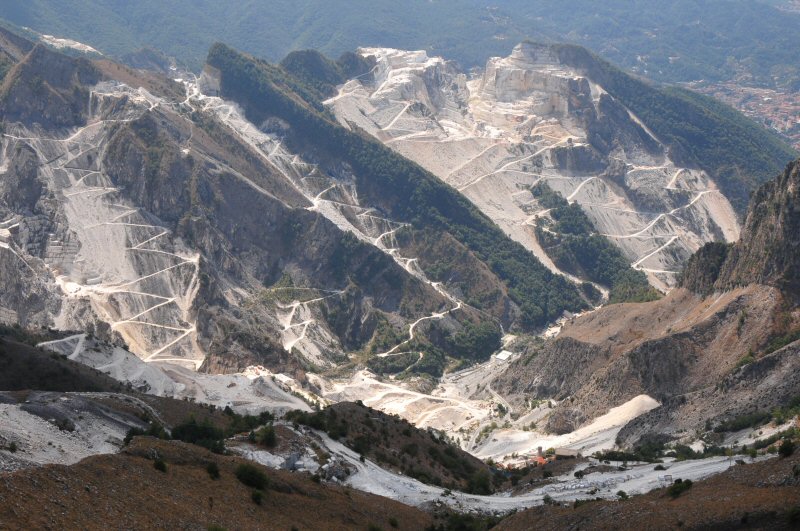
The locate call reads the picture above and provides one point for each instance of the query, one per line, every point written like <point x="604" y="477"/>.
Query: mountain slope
<point x="538" y="120"/>
<point x="94" y="485"/>
<point x="740" y="497"/>
<point x="708" y="359"/>
<point x="739" y="154"/>
<point x="768" y="250"/>
<point x="118" y="208"/>
<point x="394" y="185"/>
<point x="171" y="221"/>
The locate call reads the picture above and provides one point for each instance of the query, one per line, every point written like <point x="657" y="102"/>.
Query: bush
<point x="659" y="467"/>
<point x="750" y="420"/>
<point x="622" y="495"/>
<point x="213" y="470"/>
<point x="393" y="522"/>
<point x="679" y="487"/>
<point x="153" y="430"/>
<point x="203" y="435"/>
<point x="786" y="448"/>
<point x="12" y="447"/>
<point x="252" y="476"/>
<point x="266" y="436"/>
<point x="160" y="465"/>
<point x="257" y="496"/>
<point x="480" y="483"/>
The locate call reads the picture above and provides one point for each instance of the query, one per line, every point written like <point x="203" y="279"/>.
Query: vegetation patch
<point x="408" y="192"/>
<point x="575" y="246"/>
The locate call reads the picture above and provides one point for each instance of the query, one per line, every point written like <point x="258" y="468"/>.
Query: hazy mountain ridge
<point x="679" y="41"/>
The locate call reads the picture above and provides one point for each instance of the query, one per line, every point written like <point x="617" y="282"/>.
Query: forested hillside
<point x="738" y="153"/>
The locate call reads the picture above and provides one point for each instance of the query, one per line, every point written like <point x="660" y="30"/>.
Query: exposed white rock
<point x="528" y="119"/>
<point x="252" y="391"/>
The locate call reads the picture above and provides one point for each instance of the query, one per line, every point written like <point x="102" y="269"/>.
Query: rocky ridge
<point x="530" y="118"/>
<point x="723" y="350"/>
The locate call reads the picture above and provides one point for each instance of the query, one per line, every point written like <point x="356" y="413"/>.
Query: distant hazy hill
<point x="677" y="40"/>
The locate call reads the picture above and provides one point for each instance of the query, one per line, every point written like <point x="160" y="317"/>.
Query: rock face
<point x="768" y="250"/>
<point x="704" y="357"/>
<point x="531" y="118"/>
<point x="684" y="351"/>
<point x="169" y="223"/>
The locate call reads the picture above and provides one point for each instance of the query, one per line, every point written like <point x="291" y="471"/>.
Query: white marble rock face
<point x="525" y="119"/>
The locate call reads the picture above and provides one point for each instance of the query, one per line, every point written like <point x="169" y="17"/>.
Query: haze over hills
<point x="673" y="41"/>
<point x="382" y="272"/>
<point x="739" y="51"/>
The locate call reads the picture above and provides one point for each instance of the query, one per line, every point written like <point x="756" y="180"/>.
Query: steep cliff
<point x="720" y="348"/>
<point x="541" y="116"/>
<point x="767" y="252"/>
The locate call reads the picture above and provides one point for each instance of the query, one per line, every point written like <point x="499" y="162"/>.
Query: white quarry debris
<point x="40" y="441"/>
<point x="59" y="42"/>
<point x="600" y="434"/>
<point x="496" y="135"/>
<point x="255" y="390"/>
<point x="334" y="198"/>
<point x="464" y="405"/>
<point x="370" y="477"/>
<point x="135" y="275"/>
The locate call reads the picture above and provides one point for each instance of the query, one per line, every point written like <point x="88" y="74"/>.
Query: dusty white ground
<point x="253" y="391"/>
<point x="42" y="442"/>
<point x="135" y="275"/>
<point x="60" y="42"/>
<point x="370" y="477"/>
<point x="464" y="404"/>
<point x="493" y="136"/>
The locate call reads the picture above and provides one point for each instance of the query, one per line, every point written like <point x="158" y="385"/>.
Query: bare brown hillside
<point x="125" y="491"/>
<point x="758" y="496"/>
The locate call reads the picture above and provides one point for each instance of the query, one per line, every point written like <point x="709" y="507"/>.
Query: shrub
<point x="257" y="496"/>
<point x="786" y="448"/>
<point x="622" y="495"/>
<point x="679" y="487"/>
<point x="213" y="470"/>
<point x="266" y="436"/>
<point x="12" y="447"/>
<point x="480" y="483"/>
<point x="750" y="420"/>
<point x="252" y="476"/>
<point x="153" y="430"/>
<point x="393" y="522"/>
<point x="203" y="435"/>
<point x="160" y="465"/>
<point x="659" y="467"/>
